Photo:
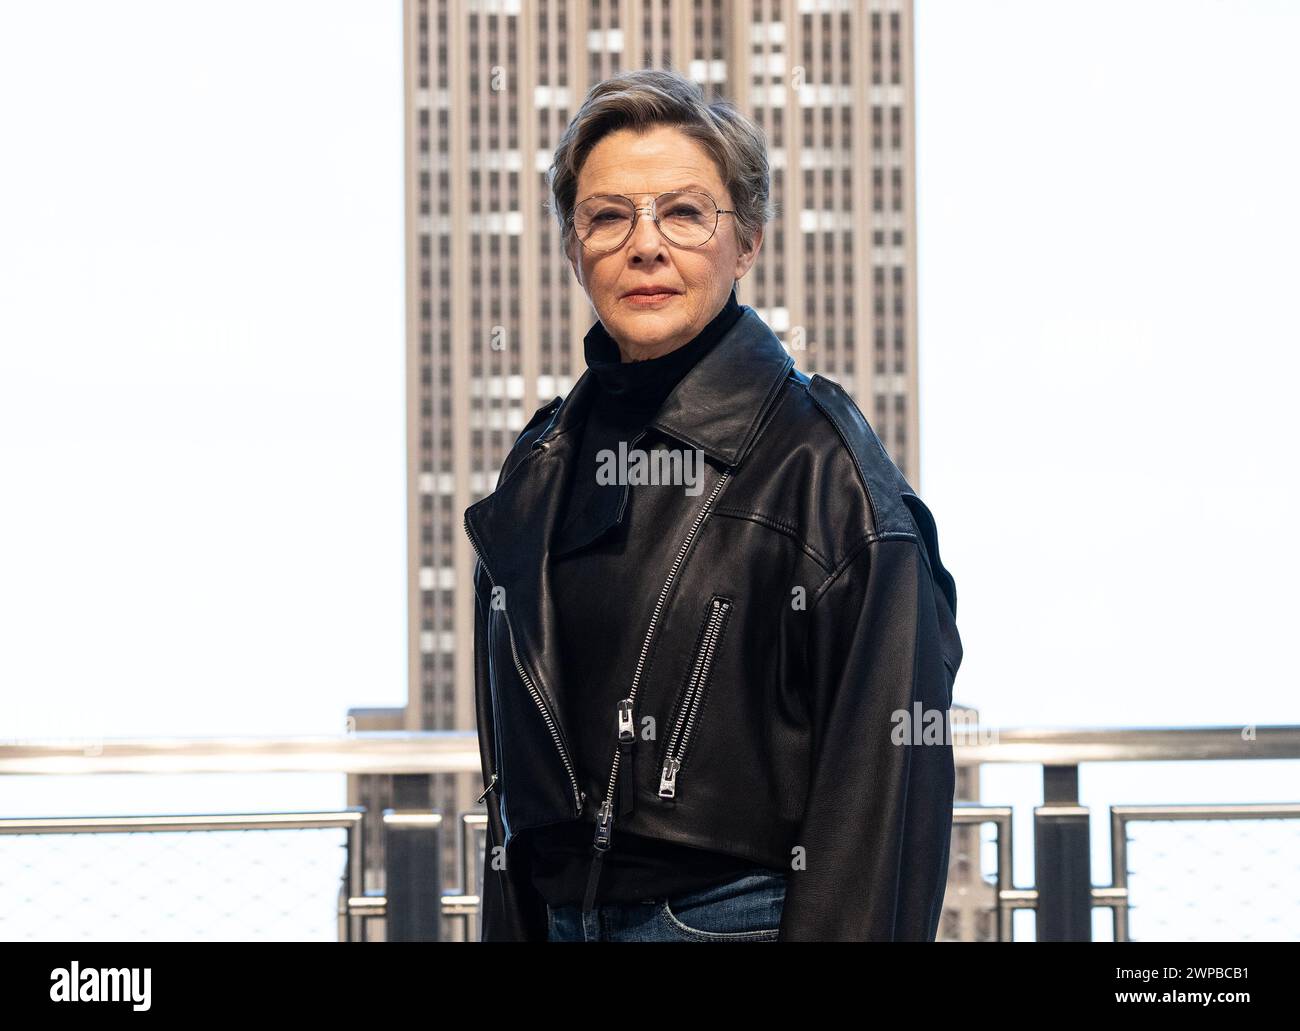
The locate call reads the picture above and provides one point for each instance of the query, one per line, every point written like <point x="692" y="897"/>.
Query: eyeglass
<point x="685" y="218"/>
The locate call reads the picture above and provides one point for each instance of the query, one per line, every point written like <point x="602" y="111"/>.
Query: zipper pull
<point x="604" y="826"/>
<point x="668" y="778"/>
<point x="625" y="731"/>
<point x="593" y="878"/>
<point x="626" y="739"/>
<point x="491" y="784"/>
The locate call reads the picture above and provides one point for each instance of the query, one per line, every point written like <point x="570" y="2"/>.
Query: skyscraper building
<point x="495" y="317"/>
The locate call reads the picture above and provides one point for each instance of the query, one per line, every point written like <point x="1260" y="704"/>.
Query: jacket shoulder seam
<point x="880" y="478"/>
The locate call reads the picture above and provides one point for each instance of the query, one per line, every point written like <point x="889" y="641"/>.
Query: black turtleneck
<point x="627" y="396"/>
<point x="634" y="391"/>
<point x="595" y="614"/>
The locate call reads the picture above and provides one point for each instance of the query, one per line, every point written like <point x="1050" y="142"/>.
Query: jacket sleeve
<point x="510" y="908"/>
<point x="882" y="654"/>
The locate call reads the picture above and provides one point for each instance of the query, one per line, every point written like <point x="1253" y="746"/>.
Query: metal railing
<point x="1063" y="896"/>
<point x="416" y="904"/>
<point x="349" y="821"/>
<point x="1116" y="895"/>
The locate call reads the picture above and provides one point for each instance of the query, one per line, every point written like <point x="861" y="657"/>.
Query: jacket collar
<point x="719" y="403"/>
<point x="717" y="407"/>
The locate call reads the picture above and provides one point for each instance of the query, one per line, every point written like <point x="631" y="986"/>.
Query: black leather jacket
<point x="798" y="659"/>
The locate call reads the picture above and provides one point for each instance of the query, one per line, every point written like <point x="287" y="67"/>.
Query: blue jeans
<point x="747" y="909"/>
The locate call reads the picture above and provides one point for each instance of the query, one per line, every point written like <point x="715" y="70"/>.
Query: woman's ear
<point x="745" y="259"/>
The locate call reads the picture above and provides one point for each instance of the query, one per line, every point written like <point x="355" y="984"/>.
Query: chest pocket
<point x="689" y="709"/>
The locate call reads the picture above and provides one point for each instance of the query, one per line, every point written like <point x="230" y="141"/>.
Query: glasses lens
<point x="602" y="222"/>
<point x="686" y="219"/>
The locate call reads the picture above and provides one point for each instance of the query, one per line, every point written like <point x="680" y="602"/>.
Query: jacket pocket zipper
<point x="687" y="714"/>
<point x="605" y="815"/>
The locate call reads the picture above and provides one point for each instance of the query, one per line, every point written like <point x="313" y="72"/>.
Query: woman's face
<point x="642" y="167"/>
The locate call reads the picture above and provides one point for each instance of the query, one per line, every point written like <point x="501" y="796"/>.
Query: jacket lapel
<point x="513" y="527"/>
<point x="720" y="404"/>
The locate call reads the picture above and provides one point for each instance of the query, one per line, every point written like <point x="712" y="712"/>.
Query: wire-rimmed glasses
<point x="686" y="218"/>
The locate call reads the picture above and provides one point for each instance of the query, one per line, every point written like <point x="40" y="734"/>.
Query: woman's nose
<point x="645" y="234"/>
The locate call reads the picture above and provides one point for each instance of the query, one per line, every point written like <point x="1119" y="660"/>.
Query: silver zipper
<point x="605" y="818"/>
<point x="681" y="734"/>
<point x="578" y="795"/>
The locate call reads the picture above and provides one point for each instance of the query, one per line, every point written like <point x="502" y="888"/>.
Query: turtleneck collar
<point x="642" y="386"/>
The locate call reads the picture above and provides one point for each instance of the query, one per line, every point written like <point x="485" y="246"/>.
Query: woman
<point x="715" y="644"/>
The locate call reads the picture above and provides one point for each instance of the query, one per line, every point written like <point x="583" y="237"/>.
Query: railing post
<point x="1062" y="870"/>
<point x="356" y="872"/>
<point x="413" y="876"/>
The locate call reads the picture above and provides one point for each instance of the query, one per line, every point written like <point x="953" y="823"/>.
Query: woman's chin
<point x="647" y="327"/>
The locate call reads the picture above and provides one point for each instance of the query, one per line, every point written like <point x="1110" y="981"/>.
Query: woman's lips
<point x="649" y="300"/>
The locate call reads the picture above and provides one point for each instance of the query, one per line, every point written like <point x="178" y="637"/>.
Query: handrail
<point x="1069" y="746"/>
<point x="376" y="752"/>
<point x="342" y="819"/>
<point x="395" y="752"/>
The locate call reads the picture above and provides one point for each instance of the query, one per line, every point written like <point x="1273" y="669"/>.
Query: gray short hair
<point x="649" y="97"/>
